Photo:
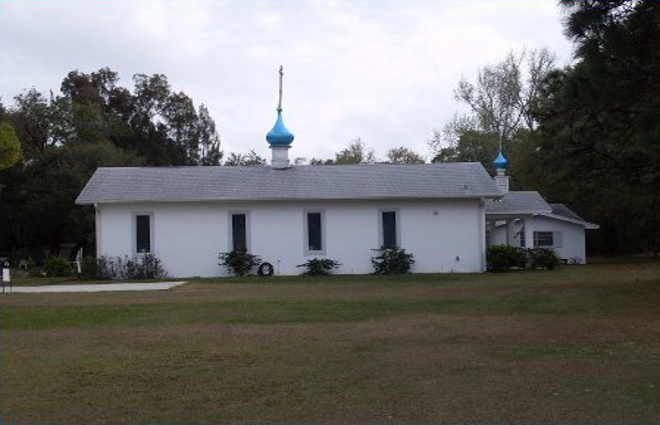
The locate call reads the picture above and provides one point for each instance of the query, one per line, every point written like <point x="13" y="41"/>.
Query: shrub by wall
<point x="319" y="266"/>
<point x="239" y="262"/>
<point x="146" y="266"/>
<point x="90" y="268"/>
<point x="393" y="260"/>
<point x="503" y="257"/>
<point x="58" y="267"/>
<point x="543" y="258"/>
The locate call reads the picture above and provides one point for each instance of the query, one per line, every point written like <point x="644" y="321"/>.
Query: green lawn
<point x="576" y="345"/>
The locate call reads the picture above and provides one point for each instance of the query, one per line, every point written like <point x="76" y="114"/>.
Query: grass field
<point x="576" y="345"/>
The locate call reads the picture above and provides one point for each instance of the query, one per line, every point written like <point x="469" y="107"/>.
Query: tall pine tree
<point x="599" y="130"/>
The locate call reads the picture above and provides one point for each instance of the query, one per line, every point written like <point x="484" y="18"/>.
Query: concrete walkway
<point x="100" y="287"/>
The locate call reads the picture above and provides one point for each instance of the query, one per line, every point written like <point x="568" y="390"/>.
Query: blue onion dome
<point x="500" y="162"/>
<point x="279" y="135"/>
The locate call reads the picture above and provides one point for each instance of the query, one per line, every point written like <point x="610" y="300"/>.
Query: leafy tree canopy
<point x="251" y="158"/>
<point x="586" y="135"/>
<point x="355" y="153"/>
<point x="161" y="125"/>
<point x="93" y="122"/>
<point x="501" y="101"/>
<point x="502" y="97"/>
<point x="598" y="121"/>
<point x="403" y="155"/>
<point x="11" y="146"/>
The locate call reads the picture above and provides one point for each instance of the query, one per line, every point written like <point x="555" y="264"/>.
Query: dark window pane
<point x="314" y="232"/>
<point x="239" y="231"/>
<point x="389" y="229"/>
<point x="142" y="233"/>
<point x="543" y="239"/>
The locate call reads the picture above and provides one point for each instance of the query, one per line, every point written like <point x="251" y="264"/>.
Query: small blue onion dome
<point x="500" y="162"/>
<point x="279" y="135"/>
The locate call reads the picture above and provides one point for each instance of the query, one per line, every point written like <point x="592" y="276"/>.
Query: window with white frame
<point x="547" y="239"/>
<point x="143" y="232"/>
<point x="314" y="232"/>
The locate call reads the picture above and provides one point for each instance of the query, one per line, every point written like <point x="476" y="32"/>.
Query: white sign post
<point x="6" y="275"/>
<point x="79" y="259"/>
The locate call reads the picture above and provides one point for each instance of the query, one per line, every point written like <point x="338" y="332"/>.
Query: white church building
<point x="186" y="216"/>
<point x="287" y="215"/>
<point x="524" y="219"/>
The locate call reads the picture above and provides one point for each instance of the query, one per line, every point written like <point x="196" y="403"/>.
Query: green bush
<point x="109" y="267"/>
<point x="33" y="269"/>
<point x="319" y="266"/>
<point x="393" y="260"/>
<point x="89" y="268"/>
<point x="544" y="258"/>
<point x="503" y="257"/>
<point x="58" y="267"/>
<point x="239" y="262"/>
<point x="146" y="266"/>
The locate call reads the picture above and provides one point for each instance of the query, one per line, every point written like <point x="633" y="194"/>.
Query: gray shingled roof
<point x="518" y="202"/>
<point x="564" y="211"/>
<point x="375" y="181"/>
<point x="523" y="203"/>
<point x="561" y="211"/>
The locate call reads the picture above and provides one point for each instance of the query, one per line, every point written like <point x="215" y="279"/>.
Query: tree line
<point x="56" y="142"/>
<point x="585" y="135"/>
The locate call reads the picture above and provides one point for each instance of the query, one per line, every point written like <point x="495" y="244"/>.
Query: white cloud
<point x="384" y="71"/>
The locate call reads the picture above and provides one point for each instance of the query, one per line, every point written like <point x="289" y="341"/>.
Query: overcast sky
<point x="381" y="70"/>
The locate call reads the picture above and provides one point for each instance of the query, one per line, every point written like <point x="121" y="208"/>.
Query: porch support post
<point x="510" y="232"/>
<point x="529" y="232"/>
<point x="97" y="219"/>
<point x="489" y="232"/>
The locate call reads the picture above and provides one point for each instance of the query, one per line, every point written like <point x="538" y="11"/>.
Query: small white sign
<point x="6" y="277"/>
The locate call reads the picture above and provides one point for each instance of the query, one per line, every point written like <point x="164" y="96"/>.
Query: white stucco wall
<point x="443" y="236"/>
<point x="573" y="241"/>
<point x="572" y="245"/>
